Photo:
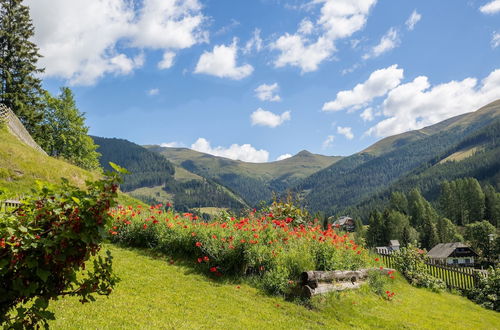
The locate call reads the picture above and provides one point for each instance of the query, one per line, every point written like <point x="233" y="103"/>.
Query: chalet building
<point x="393" y="247"/>
<point x="345" y="224"/>
<point x="452" y="254"/>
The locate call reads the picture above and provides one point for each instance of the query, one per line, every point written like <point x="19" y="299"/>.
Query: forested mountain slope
<point x="154" y="179"/>
<point x="359" y="177"/>
<point x="252" y="181"/>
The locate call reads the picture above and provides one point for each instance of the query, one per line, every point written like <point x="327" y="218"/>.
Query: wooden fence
<point x="454" y="277"/>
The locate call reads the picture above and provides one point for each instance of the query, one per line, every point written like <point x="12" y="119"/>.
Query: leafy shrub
<point x="274" y="251"/>
<point x="411" y="263"/>
<point x="378" y="283"/>
<point x="487" y="291"/>
<point x="46" y="242"/>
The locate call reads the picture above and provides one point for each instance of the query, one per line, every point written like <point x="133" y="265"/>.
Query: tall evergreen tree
<point x="492" y="205"/>
<point x="20" y="87"/>
<point x="399" y="202"/>
<point x="375" y="234"/>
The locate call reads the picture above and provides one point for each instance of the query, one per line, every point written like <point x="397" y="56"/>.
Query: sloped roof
<point x="341" y="221"/>
<point x="394" y="242"/>
<point x="443" y="250"/>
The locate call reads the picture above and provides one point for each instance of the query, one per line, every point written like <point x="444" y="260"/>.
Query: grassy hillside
<point x="21" y="166"/>
<point x="154" y="179"/>
<point x="155" y="294"/>
<point x="362" y="175"/>
<point x="252" y="181"/>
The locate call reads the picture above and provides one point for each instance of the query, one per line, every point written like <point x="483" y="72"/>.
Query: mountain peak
<point x="304" y="153"/>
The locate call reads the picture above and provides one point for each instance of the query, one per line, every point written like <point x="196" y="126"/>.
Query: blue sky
<point x="262" y="79"/>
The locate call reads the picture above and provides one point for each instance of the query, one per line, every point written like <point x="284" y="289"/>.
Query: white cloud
<point x="367" y="114"/>
<point x="378" y="84"/>
<point x="172" y="144"/>
<point x="389" y="41"/>
<point x="268" y="92"/>
<point x="328" y="142"/>
<point x="306" y="49"/>
<point x="254" y="43"/>
<point x="245" y="152"/>
<point x="495" y="40"/>
<point x="282" y="157"/>
<point x="267" y="118"/>
<point x="78" y="39"/>
<point x="221" y="62"/>
<point x="153" y="91"/>
<point x="345" y="131"/>
<point x="417" y="104"/>
<point x="167" y="61"/>
<point x="492" y="7"/>
<point x="225" y="29"/>
<point x="413" y="20"/>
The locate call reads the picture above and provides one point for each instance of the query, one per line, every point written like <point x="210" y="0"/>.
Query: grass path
<point x="153" y="294"/>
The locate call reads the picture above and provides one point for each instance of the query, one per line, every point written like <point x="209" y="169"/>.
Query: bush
<point x="487" y="291"/>
<point x="46" y="242"/>
<point x="273" y="251"/>
<point x="411" y="263"/>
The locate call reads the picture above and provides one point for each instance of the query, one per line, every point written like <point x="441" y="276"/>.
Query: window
<point x="467" y="261"/>
<point x="455" y="261"/>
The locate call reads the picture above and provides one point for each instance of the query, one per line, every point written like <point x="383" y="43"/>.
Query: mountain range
<point x="462" y="146"/>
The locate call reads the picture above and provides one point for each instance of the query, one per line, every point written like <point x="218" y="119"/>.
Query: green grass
<point x="21" y="166"/>
<point x="155" y="294"/>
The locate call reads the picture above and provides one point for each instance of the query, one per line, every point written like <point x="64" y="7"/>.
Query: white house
<point x="452" y="254"/>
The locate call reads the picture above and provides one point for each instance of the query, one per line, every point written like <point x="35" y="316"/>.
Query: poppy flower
<point x="200" y="260"/>
<point x="213" y="269"/>
<point x="205" y="258"/>
<point x="377" y="259"/>
<point x="198" y="244"/>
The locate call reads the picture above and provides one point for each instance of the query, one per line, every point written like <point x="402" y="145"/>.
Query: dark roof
<point x="341" y="221"/>
<point x="444" y="250"/>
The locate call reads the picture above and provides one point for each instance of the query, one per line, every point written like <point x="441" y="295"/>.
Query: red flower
<point x="256" y="235"/>
<point x="377" y="259"/>
<point x="213" y="269"/>
<point x="205" y="258"/>
<point x="214" y="237"/>
<point x="391" y="277"/>
<point x="238" y="287"/>
<point x="200" y="260"/>
<point x="359" y="252"/>
<point x="144" y="226"/>
<point x="198" y="244"/>
<point x="193" y="234"/>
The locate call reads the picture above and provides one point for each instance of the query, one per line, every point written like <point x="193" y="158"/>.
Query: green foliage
<point x="462" y="201"/>
<point x="65" y="133"/>
<point x="272" y="251"/>
<point x="487" y="290"/>
<point x="46" y="242"/>
<point x="447" y="232"/>
<point x="411" y="263"/>
<point x="477" y="234"/>
<point x="379" y="283"/>
<point x="20" y="87"/>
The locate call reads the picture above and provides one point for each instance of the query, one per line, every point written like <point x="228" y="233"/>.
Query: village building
<point x="452" y="254"/>
<point x="345" y="223"/>
<point x="393" y="247"/>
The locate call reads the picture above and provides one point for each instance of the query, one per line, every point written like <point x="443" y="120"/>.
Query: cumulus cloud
<point x="417" y="104"/>
<point x="315" y="42"/>
<point x="328" y="142"/>
<point x="255" y="43"/>
<point x="495" y="40"/>
<point x="345" y="131"/>
<point x="221" y="62"/>
<point x="378" y="84"/>
<point x="413" y="20"/>
<point x="268" y="92"/>
<point x="167" y="61"/>
<point x="79" y="39"/>
<point x="245" y="152"/>
<point x="267" y="118"/>
<point x="492" y="7"/>
<point x="282" y="157"/>
<point x="153" y="91"/>
<point x="367" y="114"/>
<point x="389" y="41"/>
<point x="172" y="144"/>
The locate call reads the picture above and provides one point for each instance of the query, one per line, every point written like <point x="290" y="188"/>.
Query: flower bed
<point x="274" y="250"/>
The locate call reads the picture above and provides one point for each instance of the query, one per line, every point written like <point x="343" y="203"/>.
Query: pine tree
<point x="492" y="203"/>
<point x="399" y="202"/>
<point x="375" y="233"/>
<point x="475" y="200"/>
<point x="20" y="88"/>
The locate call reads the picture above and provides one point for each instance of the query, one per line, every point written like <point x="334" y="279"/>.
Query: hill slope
<point x="252" y="181"/>
<point x="154" y="179"/>
<point x="371" y="171"/>
<point x="21" y="166"/>
<point x="153" y="294"/>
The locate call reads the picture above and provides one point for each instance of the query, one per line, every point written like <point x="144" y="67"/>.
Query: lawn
<point x="153" y="293"/>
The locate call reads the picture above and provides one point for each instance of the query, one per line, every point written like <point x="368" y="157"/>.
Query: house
<point x="452" y="254"/>
<point x="345" y="223"/>
<point x="393" y="246"/>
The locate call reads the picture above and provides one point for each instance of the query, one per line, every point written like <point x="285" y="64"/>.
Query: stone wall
<point x="17" y="128"/>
